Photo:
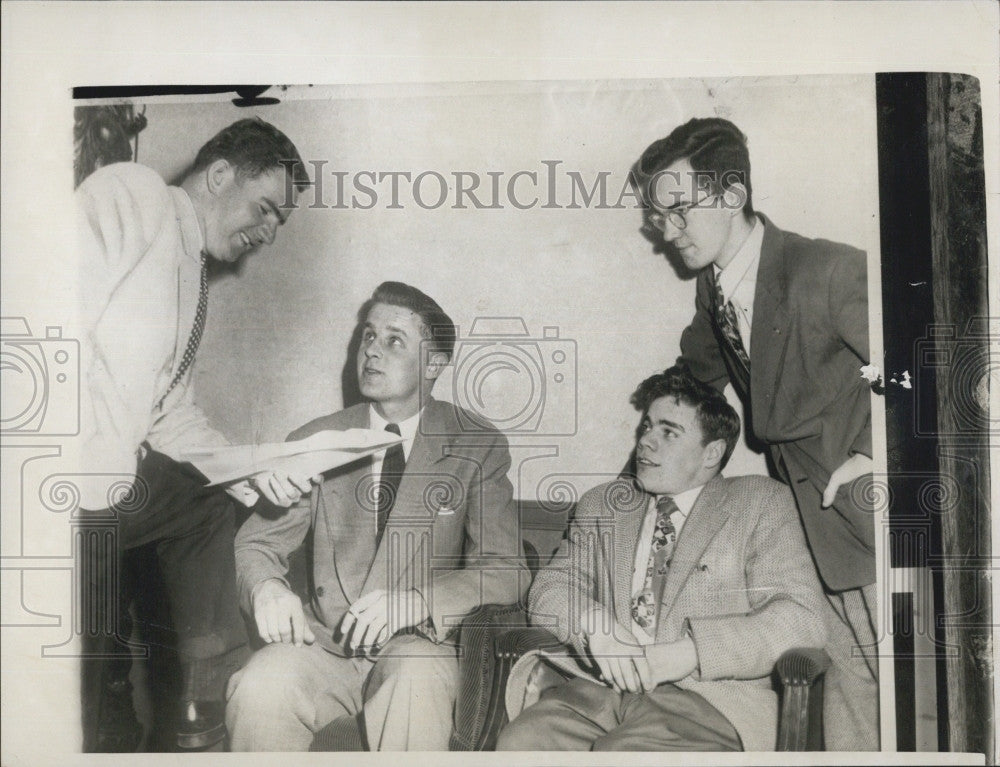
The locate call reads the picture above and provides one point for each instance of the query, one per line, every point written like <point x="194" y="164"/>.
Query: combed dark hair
<point x="437" y="325"/>
<point x="253" y="147"/>
<point x="712" y="145"/>
<point x="716" y="417"/>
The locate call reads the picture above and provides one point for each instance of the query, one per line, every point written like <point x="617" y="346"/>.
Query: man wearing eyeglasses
<point x="785" y="320"/>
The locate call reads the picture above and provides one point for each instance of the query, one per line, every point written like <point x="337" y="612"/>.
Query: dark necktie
<point x="199" y="327"/>
<point x="393" y="466"/>
<point x="725" y="318"/>
<point x="664" y="538"/>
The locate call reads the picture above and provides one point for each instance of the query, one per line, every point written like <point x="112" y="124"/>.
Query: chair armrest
<point x="800" y="723"/>
<point x="490" y="642"/>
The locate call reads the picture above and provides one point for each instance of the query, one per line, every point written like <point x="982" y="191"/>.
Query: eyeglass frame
<point x="677" y="215"/>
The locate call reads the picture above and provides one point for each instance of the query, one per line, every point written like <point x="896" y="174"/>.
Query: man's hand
<point x="620" y="658"/>
<point x="856" y="466"/>
<point x="672" y="661"/>
<point x="373" y="618"/>
<point x="279" y="616"/>
<point x="282" y="488"/>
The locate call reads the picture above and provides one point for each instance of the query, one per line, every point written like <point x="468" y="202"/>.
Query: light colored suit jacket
<point x="740" y="577"/>
<point x="138" y="270"/>
<point x="452" y="534"/>
<point x="807" y="398"/>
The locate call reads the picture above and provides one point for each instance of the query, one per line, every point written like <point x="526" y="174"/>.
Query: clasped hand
<point x="627" y="666"/>
<point x="375" y="617"/>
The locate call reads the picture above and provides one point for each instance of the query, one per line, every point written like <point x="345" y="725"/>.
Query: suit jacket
<point x="806" y="399"/>
<point x="138" y="267"/>
<point x="740" y="577"/>
<point x="452" y="533"/>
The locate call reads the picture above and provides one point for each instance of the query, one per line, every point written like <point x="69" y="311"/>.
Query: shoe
<point x="118" y="729"/>
<point x="202" y="723"/>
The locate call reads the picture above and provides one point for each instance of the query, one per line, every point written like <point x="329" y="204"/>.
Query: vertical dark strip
<point x="902" y="648"/>
<point x="907" y="312"/>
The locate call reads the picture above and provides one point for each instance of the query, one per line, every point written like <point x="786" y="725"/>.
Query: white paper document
<point x="317" y="453"/>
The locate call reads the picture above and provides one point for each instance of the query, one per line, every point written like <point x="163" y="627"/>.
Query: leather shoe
<point x="118" y="730"/>
<point x="202" y="723"/>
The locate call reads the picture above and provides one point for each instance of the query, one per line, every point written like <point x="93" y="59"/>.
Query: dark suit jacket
<point x="740" y="576"/>
<point x="452" y="533"/>
<point x="807" y="399"/>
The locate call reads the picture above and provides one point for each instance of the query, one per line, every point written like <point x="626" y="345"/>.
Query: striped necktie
<point x="725" y="318"/>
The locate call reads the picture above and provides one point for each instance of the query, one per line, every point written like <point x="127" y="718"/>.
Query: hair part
<point x="715" y="148"/>
<point x="716" y="417"/>
<point x="253" y="147"/>
<point x="436" y="326"/>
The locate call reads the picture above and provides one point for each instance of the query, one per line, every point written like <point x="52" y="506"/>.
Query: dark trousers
<point x="191" y="529"/>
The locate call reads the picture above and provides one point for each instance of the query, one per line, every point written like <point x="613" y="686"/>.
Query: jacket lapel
<point x="770" y="326"/>
<point x="627" y="525"/>
<point x="350" y="521"/>
<point x="707" y="517"/>
<point x="430" y="446"/>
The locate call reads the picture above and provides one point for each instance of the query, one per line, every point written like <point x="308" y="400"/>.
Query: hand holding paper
<point x="282" y="488"/>
<point x="273" y="465"/>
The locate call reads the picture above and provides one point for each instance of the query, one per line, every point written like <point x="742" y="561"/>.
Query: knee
<point x="264" y="688"/>
<point x="418" y="660"/>
<point x="520" y="735"/>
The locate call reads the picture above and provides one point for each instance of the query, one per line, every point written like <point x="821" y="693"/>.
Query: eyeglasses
<point x="676" y="215"/>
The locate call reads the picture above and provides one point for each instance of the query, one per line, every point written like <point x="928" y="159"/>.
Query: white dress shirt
<point x="739" y="280"/>
<point x="407" y="430"/>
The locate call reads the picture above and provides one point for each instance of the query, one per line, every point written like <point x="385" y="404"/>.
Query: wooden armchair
<point x="493" y="638"/>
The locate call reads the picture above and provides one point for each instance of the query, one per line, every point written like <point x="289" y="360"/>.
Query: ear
<point x="734" y="198"/>
<point x="436" y="363"/>
<point x="218" y="175"/>
<point x="712" y="453"/>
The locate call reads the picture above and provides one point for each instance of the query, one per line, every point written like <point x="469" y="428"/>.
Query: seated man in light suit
<point x="404" y="545"/>
<point x="676" y="594"/>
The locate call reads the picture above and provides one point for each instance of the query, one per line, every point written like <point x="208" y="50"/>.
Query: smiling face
<point x="713" y="230"/>
<point x="242" y="213"/>
<point x="670" y="454"/>
<point x="390" y="362"/>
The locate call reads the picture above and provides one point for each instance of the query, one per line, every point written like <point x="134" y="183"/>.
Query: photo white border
<point x="48" y="48"/>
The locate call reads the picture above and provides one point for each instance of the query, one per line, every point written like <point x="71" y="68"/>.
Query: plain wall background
<point x="278" y="330"/>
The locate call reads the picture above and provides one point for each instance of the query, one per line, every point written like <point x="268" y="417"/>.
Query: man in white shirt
<point x="677" y="594"/>
<point x="141" y="270"/>
<point x="403" y="547"/>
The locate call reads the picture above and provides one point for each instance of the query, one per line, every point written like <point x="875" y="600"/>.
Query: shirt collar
<point x="407" y="428"/>
<point x="191" y="235"/>
<point x="685" y="501"/>
<point x="744" y="263"/>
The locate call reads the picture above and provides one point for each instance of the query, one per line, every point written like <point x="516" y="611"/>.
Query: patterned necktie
<point x="393" y="466"/>
<point x="725" y="318"/>
<point x="199" y="327"/>
<point x="664" y="538"/>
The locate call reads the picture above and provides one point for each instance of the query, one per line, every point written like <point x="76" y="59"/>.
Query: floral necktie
<point x="664" y="538"/>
